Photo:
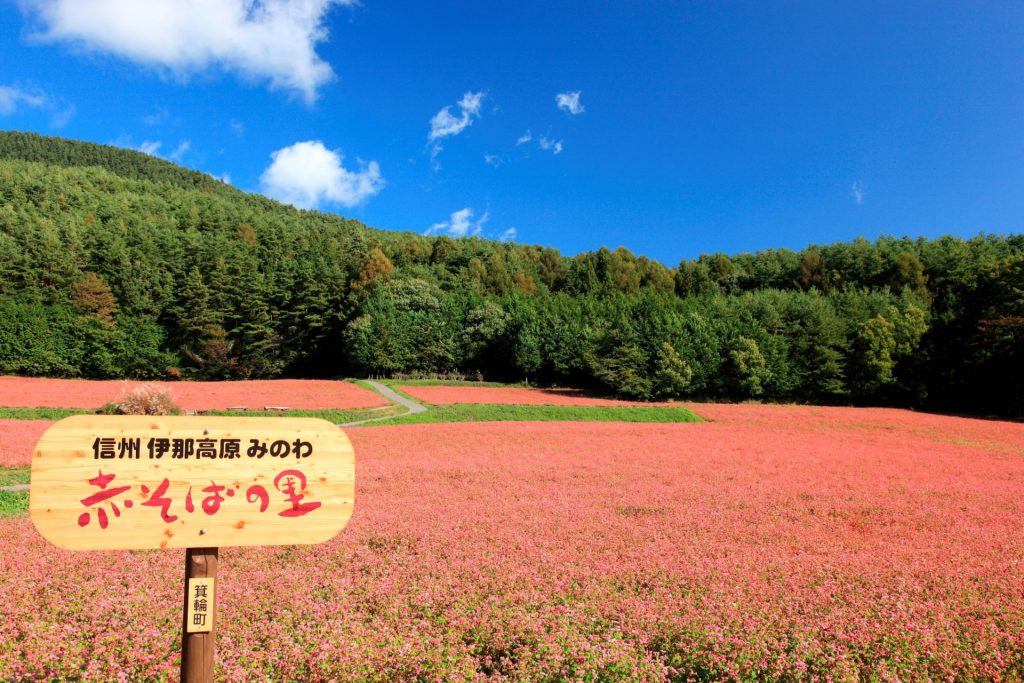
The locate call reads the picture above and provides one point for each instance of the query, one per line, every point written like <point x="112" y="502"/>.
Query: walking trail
<point x="412" y="407"/>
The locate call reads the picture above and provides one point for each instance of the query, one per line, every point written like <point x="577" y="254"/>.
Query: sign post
<point x="199" y="483"/>
<point x="198" y="616"/>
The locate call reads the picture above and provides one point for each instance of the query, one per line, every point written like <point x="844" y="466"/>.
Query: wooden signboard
<point x="136" y="482"/>
<point x="103" y="482"/>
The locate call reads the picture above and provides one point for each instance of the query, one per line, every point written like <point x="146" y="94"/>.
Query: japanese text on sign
<point x="291" y="484"/>
<point x="118" y="482"/>
<point x="199" y="605"/>
<point x="111" y="448"/>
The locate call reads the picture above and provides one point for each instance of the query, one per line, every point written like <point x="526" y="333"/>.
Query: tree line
<point x="117" y="264"/>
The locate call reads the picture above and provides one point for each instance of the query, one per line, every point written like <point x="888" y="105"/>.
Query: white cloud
<point x="435" y="151"/>
<point x="553" y="146"/>
<point x="61" y="117"/>
<point x="259" y="39"/>
<point x="237" y="127"/>
<point x="544" y="142"/>
<point x="459" y="224"/>
<point x="179" y="151"/>
<point x="570" y="102"/>
<point x="160" y="115"/>
<point x="857" y="191"/>
<point x="16" y="97"/>
<point x="153" y="147"/>
<point x="445" y="124"/>
<point x="493" y="160"/>
<point x="150" y="147"/>
<point x="307" y="175"/>
<point x="13" y="98"/>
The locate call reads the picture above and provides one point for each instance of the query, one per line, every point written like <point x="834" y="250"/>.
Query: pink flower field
<point x="18" y="438"/>
<point x="33" y="392"/>
<point x="771" y="543"/>
<point x="520" y="396"/>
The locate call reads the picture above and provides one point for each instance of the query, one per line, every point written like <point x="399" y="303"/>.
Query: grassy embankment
<point x="477" y="412"/>
<point x="41" y="413"/>
<point x="485" y="412"/>
<point x="464" y="412"/>
<point x="13" y="502"/>
<point x="330" y="414"/>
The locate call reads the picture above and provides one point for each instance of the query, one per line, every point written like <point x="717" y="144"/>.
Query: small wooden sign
<point x="199" y="607"/>
<point x="137" y="482"/>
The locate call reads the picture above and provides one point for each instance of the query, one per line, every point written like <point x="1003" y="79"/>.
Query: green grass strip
<point x="331" y="415"/>
<point x="12" y="476"/>
<point x="474" y="412"/>
<point x="42" y="413"/>
<point x="13" y="503"/>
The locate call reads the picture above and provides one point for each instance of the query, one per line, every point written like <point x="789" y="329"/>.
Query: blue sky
<point x="683" y="127"/>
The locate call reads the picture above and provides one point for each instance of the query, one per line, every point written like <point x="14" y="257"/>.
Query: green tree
<point x="91" y="296"/>
<point x="749" y="369"/>
<point x="908" y="271"/>
<point x="526" y="350"/>
<point x="672" y="374"/>
<point x="693" y="278"/>
<point x="882" y="340"/>
<point x="374" y="268"/>
<point x="482" y="333"/>
<point x="619" y="361"/>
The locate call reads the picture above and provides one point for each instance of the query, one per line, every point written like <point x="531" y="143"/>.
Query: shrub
<point x="148" y="399"/>
<point x="110" y="408"/>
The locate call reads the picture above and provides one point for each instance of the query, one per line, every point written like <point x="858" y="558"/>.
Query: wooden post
<point x="197" y="653"/>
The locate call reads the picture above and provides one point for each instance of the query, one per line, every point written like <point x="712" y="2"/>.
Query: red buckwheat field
<point x="770" y="543"/>
<point x="252" y="394"/>
<point x="349" y="341"/>
<point x="17" y="438"/>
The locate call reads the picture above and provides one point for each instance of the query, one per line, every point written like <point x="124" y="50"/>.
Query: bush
<point x="148" y="399"/>
<point x="110" y="408"/>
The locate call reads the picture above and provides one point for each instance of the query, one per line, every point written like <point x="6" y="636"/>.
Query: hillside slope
<point x="116" y="264"/>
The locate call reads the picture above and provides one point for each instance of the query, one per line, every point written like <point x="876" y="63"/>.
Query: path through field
<point x="411" y="407"/>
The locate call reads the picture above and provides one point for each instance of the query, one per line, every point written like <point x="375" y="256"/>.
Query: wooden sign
<point x="199" y="605"/>
<point x="137" y="482"/>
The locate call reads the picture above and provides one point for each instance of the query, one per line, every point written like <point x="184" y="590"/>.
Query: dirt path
<point x="411" y="406"/>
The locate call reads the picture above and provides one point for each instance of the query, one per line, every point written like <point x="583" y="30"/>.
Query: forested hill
<point x="117" y="264"/>
<point x="123" y="162"/>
